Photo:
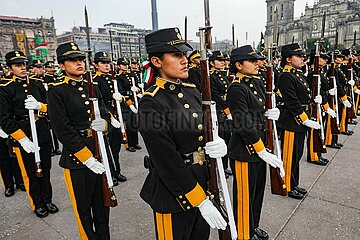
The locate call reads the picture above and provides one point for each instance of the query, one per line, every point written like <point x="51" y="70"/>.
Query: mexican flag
<point x="148" y="74"/>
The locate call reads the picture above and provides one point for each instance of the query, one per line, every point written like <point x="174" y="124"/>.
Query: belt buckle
<point x="199" y="157"/>
<point x="36" y="117"/>
<point x="89" y="132"/>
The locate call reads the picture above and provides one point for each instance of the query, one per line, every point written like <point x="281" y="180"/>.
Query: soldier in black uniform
<point x="14" y="120"/>
<point x="248" y="156"/>
<point x="194" y="69"/>
<point x="219" y="84"/>
<point x="171" y="124"/>
<point x="294" y="120"/>
<point x="69" y="111"/>
<point x="105" y="82"/>
<point x="128" y="106"/>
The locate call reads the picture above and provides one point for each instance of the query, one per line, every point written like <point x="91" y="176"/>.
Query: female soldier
<point x="69" y="112"/>
<point x="172" y="128"/>
<point x="294" y="120"/>
<point x="248" y="157"/>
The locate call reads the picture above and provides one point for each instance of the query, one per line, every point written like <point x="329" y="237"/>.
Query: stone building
<point x="127" y="40"/>
<point x="341" y="15"/>
<point x="35" y="37"/>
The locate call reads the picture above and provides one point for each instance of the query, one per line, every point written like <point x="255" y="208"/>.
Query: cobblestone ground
<point x="331" y="210"/>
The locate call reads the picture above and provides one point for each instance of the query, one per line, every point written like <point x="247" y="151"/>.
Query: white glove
<point x="115" y="123"/>
<point x="229" y="117"/>
<point x="318" y="99"/>
<point x="27" y="145"/>
<point x="141" y="85"/>
<point x="332" y="92"/>
<point x="32" y="104"/>
<point x="3" y="134"/>
<point x="216" y="148"/>
<point x="94" y="165"/>
<point x="331" y="112"/>
<point x="357" y="91"/>
<point x="134" y="89"/>
<point x="139" y="95"/>
<point x="133" y="108"/>
<point x="98" y="125"/>
<point x="272" y="114"/>
<point x="271" y="159"/>
<point x="211" y="215"/>
<point x="311" y="124"/>
<point x="351" y="82"/>
<point x="117" y="96"/>
<point x="347" y="103"/>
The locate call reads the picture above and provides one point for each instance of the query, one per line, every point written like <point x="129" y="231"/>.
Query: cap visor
<point x="76" y="55"/>
<point x="183" y="47"/>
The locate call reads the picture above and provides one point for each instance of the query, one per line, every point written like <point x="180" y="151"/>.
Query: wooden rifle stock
<point x="278" y="186"/>
<point x="335" y="128"/>
<point x="318" y="143"/>
<point x="109" y="197"/>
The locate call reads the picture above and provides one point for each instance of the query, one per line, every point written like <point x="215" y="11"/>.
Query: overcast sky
<point x="247" y="15"/>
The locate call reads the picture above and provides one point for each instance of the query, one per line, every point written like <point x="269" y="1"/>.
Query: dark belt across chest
<point x="25" y="118"/>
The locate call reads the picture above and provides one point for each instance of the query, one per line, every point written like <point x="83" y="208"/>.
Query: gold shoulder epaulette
<point x="7" y="83"/>
<point x="189" y="85"/>
<point x="151" y="91"/>
<point x="54" y="84"/>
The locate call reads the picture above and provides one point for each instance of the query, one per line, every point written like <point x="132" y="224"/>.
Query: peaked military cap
<point x="217" y="55"/>
<point x="37" y="63"/>
<point x="68" y="51"/>
<point x="15" y="57"/>
<point x="323" y="54"/>
<point x="49" y="64"/>
<point x="291" y="49"/>
<point x="338" y="53"/>
<point x="193" y="55"/>
<point x="122" y="61"/>
<point x="166" y="40"/>
<point x="101" y="57"/>
<point x="244" y="53"/>
<point x="346" y="52"/>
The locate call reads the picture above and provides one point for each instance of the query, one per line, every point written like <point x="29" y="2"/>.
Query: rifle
<point x="278" y="186"/>
<point x="318" y="134"/>
<point x="210" y="129"/>
<point x="38" y="169"/>
<point x="117" y="110"/>
<point x="333" y="100"/>
<point x="98" y="138"/>
<point x="350" y="112"/>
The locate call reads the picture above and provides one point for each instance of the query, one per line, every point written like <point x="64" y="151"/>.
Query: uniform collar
<point x="72" y="82"/>
<point x="168" y="85"/>
<point x="17" y="79"/>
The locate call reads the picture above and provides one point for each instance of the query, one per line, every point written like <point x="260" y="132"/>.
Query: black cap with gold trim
<point x="68" y="51"/>
<point x="37" y="63"/>
<point x="166" y="40"/>
<point x="217" y="55"/>
<point x="15" y="57"/>
<point x="292" y="49"/>
<point x="122" y="61"/>
<point x="193" y="55"/>
<point x="101" y="57"/>
<point x="49" y="64"/>
<point x="244" y="53"/>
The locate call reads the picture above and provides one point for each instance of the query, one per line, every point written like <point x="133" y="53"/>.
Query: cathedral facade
<point x="341" y="15"/>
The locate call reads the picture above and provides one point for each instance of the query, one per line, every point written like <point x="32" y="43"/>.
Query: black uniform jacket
<point x="246" y="96"/>
<point x="219" y="85"/>
<point x="171" y="125"/>
<point x="296" y="95"/>
<point x="125" y="84"/>
<point x="69" y="112"/>
<point x="14" y="117"/>
<point x="195" y="76"/>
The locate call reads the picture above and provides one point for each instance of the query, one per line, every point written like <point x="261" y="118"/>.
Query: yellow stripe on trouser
<point x="343" y="118"/>
<point x="357" y="103"/>
<point x="287" y="157"/>
<point x="243" y="215"/>
<point x="2" y="181"/>
<point x="164" y="226"/>
<point x="24" y="175"/>
<point x="328" y="135"/>
<point x="313" y="155"/>
<point x="69" y="186"/>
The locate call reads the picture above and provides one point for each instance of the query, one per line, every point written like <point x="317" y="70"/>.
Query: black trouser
<point x="189" y="225"/>
<point x="38" y="189"/>
<point x="225" y="133"/>
<point x="115" y="145"/>
<point x="248" y="195"/>
<point x="130" y="120"/>
<point x="10" y="170"/>
<point x="85" y="191"/>
<point x="292" y="145"/>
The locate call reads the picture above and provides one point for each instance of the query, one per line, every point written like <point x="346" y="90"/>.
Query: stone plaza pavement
<point x="331" y="210"/>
